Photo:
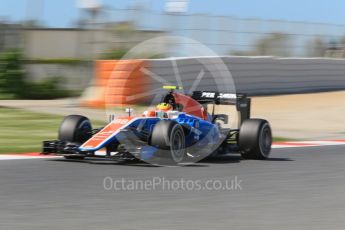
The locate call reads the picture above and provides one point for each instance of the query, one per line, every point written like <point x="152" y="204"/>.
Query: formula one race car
<point x="180" y="129"/>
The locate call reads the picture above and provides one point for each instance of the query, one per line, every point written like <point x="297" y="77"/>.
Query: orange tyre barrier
<point x="117" y="82"/>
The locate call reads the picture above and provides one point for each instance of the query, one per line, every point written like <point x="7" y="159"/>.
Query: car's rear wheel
<point x="255" y="139"/>
<point x="168" y="137"/>
<point x="75" y="129"/>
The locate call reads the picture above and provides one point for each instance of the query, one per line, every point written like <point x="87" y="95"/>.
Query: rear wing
<point x="240" y="100"/>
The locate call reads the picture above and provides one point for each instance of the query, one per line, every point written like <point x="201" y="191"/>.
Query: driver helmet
<point x="164" y="107"/>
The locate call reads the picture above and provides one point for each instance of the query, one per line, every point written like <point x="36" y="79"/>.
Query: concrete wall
<point x="10" y="36"/>
<point x="73" y="77"/>
<point x="45" y="43"/>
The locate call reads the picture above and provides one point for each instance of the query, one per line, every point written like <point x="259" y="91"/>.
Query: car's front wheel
<point x="169" y="138"/>
<point x="75" y="129"/>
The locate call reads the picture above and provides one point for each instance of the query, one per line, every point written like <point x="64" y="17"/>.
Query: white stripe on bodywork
<point x="110" y="137"/>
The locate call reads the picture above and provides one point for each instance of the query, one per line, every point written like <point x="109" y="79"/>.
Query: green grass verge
<point x="23" y="131"/>
<point x="283" y="139"/>
<point x="6" y="96"/>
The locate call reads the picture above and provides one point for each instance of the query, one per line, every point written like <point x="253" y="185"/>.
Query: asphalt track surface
<point x="298" y="188"/>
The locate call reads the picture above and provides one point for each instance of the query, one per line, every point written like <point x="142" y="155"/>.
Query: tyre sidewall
<point x="75" y="128"/>
<point x="177" y="135"/>
<point x="251" y="139"/>
<point x="163" y="136"/>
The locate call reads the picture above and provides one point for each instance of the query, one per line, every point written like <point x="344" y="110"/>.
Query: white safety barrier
<point x="254" y="75"/>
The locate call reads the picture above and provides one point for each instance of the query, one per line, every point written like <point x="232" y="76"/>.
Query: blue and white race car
<point x="179" y="130"/>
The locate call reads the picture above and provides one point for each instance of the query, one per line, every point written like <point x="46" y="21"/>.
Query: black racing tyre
<point x="76" y="129"/>
<point x="168" y="136"/>
<point x="255" y="139"/>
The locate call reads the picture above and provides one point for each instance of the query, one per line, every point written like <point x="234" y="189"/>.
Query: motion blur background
<point x="91" y="28"/>
<point x="57" y="40"/>
<point x="56" y="58"/>
<point x="55" y="51"/>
